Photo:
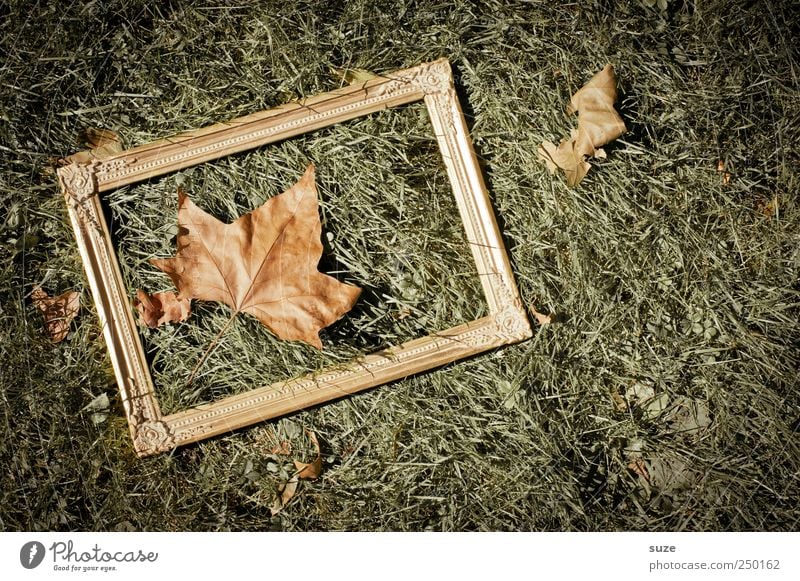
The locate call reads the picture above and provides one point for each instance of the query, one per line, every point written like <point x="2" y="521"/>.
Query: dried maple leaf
<point x="57" y="312"/>
<point x="160" y="308"/>
<point x="598" y="124"/>
<point x="314" y="469"/>
<point x="263" y="264"/>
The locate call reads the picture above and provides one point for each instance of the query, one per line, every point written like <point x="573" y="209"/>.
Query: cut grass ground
<point x="406" y="250"/>
<point x="664" y="396"/>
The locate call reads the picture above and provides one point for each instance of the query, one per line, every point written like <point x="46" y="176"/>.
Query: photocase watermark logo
<point x="31" y="554"/>
<point x="66" y="556"/>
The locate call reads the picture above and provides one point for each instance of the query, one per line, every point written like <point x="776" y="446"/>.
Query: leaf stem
<point x="210" y="348"/>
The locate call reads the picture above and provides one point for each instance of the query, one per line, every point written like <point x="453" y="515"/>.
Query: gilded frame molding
<point x="81" y="183"/>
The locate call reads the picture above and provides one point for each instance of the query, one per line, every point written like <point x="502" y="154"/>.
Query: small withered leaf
<point x="541" y="318"/>
<point x="312" y="470"/>
<point x="57" y="312"/>
<point x="97" y="138"/>
<point x="285" y="493"/>
<point x="161" y="308"/>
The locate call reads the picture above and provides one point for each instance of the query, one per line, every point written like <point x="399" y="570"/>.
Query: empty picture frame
<point x="82" y="183"/>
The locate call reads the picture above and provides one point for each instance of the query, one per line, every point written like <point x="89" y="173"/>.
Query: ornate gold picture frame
<point x="82" y="183"/>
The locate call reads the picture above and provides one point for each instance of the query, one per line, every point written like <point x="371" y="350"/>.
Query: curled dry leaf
<point x="638" y="467"/>
<point x="160" y="308"/>
<point x="263" y="264"/>
<point x="726" y="176"/>
<point x="619" y="402"/>
<point x="769" y="208"/>
<point x="285" y="493"/>
<point x="309" y="471"/>
<point x="314" y="469"/>
<point x="304" y="472"/>
<point x="353" y="76"/>
<point x="598" y="121"/>
<point x="598" y="124"/>
<point x="541" y="318"/>
<point x="282" y="448"/>
<point x="102" y="143"/>
<point x="97" y="138"/>
<point x="57" y="312"/>
<point x="635" y="462"/>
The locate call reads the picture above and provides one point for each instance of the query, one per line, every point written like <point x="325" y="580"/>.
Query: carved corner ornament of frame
<point x="151" y="431"/>
<point x="79" y="184"/>
<point x="153" y="437"/>
<point x="431" y="78"/>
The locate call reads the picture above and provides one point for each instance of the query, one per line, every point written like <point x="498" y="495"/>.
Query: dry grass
<point x="664" y="396"/>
